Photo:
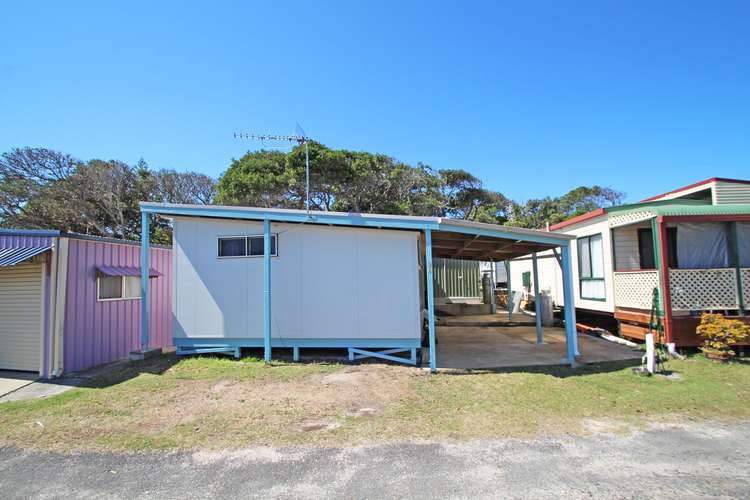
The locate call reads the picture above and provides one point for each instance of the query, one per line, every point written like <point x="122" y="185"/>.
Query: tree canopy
<point x="46" y="189"/>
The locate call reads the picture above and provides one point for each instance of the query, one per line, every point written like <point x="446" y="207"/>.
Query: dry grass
<point x="214" y="403"/>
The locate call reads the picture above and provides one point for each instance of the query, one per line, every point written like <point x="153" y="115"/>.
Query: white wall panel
<point x="327" y="282"/>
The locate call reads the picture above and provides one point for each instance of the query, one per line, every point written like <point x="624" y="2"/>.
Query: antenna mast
<point x="300" y="138"/>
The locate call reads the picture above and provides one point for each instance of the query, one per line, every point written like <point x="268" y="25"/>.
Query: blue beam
<point x="356" y="220"/>
<point x="510" y="291"/>
<point x="144" y="279"/>
<point x="267" y="290"/>
<point x="430" y="300"/>
<point x="537" y="304"/>
<point x="534" y="236"/>
<point x="570" y="314"/>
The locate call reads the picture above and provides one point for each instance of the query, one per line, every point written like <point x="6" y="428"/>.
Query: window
<point x="245" y="246"/>
<point x="526" y="280"/>
<point x="646" y="248"/>
<point x="591" y="267"/>
<point x="118" y="287"/>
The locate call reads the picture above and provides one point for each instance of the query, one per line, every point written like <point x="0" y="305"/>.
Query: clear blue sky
<point x="535" y="98"/>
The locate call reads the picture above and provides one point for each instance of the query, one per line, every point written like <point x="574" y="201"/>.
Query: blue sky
<point x="535" y="98"/>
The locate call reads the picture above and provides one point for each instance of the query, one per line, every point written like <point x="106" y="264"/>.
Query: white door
<point x="20" y="316"/>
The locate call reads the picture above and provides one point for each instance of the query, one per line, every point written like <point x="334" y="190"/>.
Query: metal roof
<point x="13" y="255"/>
<point x="125" y="271"/>
<point x="686" y="209"/>
<point x="379" y="221"/>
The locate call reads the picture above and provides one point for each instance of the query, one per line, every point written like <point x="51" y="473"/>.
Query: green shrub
<point x="721" y="333"/>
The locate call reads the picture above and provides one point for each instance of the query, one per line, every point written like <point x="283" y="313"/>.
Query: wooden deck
<point x="634" y="325"/>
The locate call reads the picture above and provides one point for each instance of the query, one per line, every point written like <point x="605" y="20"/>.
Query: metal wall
<point x="98" y="332"/>
<point x="456" y="279"/>
<point x="326" y="283"/>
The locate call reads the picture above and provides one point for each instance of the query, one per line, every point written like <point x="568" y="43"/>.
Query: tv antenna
<point x="300" y="138"/>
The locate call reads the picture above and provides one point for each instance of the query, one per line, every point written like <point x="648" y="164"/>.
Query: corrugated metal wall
<point x="455" y="278"/>
<point x="99" y="332"/>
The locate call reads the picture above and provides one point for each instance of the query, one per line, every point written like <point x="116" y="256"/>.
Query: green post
<point x="656" y="237"/>
<point x="734" y="241"/>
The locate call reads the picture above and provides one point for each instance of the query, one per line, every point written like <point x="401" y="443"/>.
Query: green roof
<point x="682" y="207"/>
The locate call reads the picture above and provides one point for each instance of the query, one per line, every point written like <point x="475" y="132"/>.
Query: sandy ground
<point x="707" y="460"/>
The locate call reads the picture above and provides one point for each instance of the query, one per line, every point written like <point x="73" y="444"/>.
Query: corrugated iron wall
<point x="455" y="278"/>
<point x="98" y="332"/>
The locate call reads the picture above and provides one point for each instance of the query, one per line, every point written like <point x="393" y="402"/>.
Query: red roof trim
<point x="578" y="218"/>
<point x="691" y="186"/>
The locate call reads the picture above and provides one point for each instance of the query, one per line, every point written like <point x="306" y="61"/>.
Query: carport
<point x="458" y="239"/>
<point x="451" y="238"/>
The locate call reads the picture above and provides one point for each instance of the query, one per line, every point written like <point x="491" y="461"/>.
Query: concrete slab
<point x="12" y="380"/>
<point x="498" y="319"/>
<point x="41" y="389"/>
<point x="470" y="347"/>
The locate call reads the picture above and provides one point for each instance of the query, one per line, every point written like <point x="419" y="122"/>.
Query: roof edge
<point x="578" y="218"/>
<point x="697" y="184"/>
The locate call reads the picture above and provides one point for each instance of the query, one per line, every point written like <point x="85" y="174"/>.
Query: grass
<point x="211" y="403"/>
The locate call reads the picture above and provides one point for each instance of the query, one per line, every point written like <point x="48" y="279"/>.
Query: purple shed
<point x="69" y="302"/>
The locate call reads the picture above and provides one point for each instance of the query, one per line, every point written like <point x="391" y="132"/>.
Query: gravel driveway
<point x="687" y="461"/>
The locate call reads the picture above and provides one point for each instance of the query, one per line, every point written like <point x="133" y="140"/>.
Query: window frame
<point x="122" y="288"/>
<point x="582" y="278"/>
<point x="246" y="237"/>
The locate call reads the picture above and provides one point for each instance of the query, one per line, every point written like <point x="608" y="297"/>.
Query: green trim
<point x="581" y="279"/>
<point x="734" y="241"/>
<point x="657" y="261"/>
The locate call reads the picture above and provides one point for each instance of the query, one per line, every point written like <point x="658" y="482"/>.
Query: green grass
<point x="218" y="403"/>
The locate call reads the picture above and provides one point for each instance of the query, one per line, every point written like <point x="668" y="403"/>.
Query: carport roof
<point x="451" y="237"/>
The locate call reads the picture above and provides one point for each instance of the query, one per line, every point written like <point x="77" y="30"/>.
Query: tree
<point x="536" y="213"/>
<point x="45" y="189"/>
<point x="24" y="172"/>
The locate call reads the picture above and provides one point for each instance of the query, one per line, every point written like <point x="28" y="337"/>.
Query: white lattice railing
<point x="702" y="289"/>
<point x="745" y="275"/>
<point x="630" y="218"/>
<point x="635" y="288"/>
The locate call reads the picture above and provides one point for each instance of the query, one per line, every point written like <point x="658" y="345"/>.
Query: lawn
<point x="210" y="403"/>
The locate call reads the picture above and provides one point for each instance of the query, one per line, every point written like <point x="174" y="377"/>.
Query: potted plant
<point x="720" y="335"/>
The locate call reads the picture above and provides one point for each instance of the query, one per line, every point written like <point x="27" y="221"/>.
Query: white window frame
<point x="274" y="236"/>
<point x="122" y="288"/>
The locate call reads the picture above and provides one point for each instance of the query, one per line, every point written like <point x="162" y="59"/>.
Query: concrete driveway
<point x="686" y="461"/>
<point x="11" y="381"/>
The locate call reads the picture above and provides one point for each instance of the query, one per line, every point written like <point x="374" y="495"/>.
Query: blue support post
<point x="537" y="304"/>
<point x="510" y="291"/>
<point x="570" y="314"/>
<point x="493" y="305"/>
<point x="267" y="290"/>
<point x="295" y="353"/>
<point x="144" y="279"/>
<point x="430" y="299"/>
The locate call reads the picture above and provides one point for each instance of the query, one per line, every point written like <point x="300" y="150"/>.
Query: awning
<point x="13" y="255"/>
<point x="125" y="271"/>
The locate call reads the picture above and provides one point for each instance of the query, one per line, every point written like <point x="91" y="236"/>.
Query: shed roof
<point x="451" y="237"/>
<point x="16" y="254"/>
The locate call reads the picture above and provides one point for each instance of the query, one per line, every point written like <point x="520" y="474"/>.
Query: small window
<point x="232" y="247"/>
<point x="118" y="287"/>
<point x="526" y="280"/>
<point x="246" y="246"/>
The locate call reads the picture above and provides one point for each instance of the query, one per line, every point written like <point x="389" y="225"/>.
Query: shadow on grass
<point x="122" y="371"/>
<point x="559" y="371"/>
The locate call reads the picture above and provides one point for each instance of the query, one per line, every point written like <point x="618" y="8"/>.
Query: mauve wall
<point x="99" y="332"/>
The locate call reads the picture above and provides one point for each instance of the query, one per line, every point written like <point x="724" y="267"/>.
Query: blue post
<point x="537" y="304"/>
<point x="510" y="291"/>
<point x="430" y="299"/>
<point x="267" y="290"/>
<point x="295" y="353"/>
<point x="493" y="306"/>
<point x="144" y="280"/>
<point x="570" y="314"/>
